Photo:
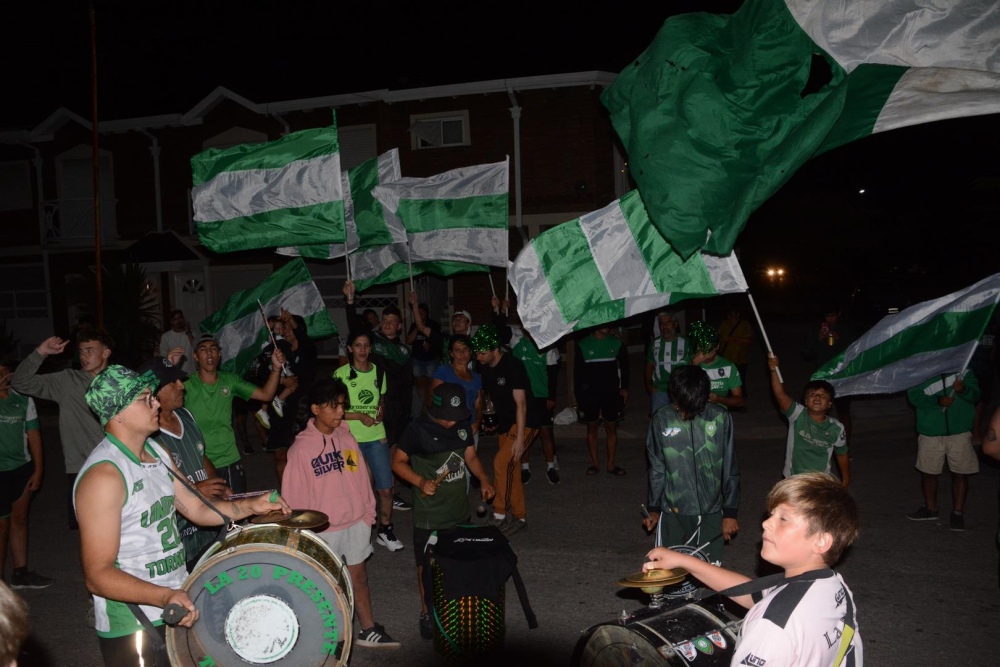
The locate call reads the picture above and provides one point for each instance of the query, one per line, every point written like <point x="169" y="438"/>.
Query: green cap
<point x="115" y="388"/>
<point x="704" y="337"/>
<point x="485" y="339"/>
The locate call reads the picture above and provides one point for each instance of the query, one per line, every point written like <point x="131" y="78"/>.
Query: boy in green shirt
<point x="812" y="433"/>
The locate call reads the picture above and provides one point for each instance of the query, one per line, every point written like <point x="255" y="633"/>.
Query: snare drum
<point x="698" y="633"/>
<point x="267" y="594"/>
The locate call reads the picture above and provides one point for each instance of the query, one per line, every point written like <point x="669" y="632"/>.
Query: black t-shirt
<point x="427" y="348"/>
<point x="500" y="381"/>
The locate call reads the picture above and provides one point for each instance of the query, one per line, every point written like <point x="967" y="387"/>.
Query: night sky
<point x="930" y="212"/>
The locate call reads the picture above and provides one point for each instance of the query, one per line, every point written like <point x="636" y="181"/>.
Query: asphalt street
<point x="926" y="595"/>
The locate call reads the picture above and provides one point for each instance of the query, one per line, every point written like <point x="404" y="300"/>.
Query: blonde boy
<point x="807" y="617"/>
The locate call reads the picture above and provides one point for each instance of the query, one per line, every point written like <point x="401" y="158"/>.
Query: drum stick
<point x="452" y="467"/>
<point x="645" y="512"/>
<point x="251" y="494"/>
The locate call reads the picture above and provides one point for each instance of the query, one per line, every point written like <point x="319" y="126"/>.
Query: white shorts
<point x="352" y="544"/>
<point x="932" y="450"/>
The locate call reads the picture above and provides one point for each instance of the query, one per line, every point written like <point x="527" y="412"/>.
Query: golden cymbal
<point x="297" y="519"/>
<point x="653" y="578"/>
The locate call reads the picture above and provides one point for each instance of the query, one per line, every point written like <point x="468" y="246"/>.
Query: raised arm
<point x="777" y="386"/>
<point x="26" y="379"/>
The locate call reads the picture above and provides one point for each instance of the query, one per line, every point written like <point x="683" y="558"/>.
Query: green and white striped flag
<point x="608" y="265"/>
<point x="239" y="327"/>
<point x="281" y="193"/>
<point x="454" y="216"/>
<point x="720" y="111"/>
<point x="360" y="209"/>
<point x="905" y="349"/>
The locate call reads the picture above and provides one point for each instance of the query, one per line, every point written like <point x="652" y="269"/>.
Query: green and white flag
<point x="905" y="349"/>
<point x="720" y="111"/>
<point x="239" y="326"/>
<point x="454" y="216"/>
<point x="608" y="265"/>
<point x="281" y="193"/>
<point x="360" y="209"/>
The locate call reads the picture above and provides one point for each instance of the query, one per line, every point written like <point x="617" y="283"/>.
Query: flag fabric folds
<point x="608" y="265"/>
<point x="454" y="216"/>
<point x="720" y="111"/>
<point x="904" y="350"/>
<point x="239" y="326"/>
<point x="361" y="209"/>
<point x="281" y="193"/>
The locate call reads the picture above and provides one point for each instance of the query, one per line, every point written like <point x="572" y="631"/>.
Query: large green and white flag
<point x="239" y="325"/>
<point x="904" y="350"/>
<point x="720" y="111"/>
<point x="454" y="216"/>
<point x="281" y="193"/>
<point x="608" y="265"/>
<point x="360" y="209"/>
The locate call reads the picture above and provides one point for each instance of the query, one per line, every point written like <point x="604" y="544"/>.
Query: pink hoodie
<point x="328" y="473"/>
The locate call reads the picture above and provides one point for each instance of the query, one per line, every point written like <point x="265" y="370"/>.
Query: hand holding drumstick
<point x="429" y="486"/>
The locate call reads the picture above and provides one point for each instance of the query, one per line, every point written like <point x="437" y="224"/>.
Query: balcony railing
<point x="71" y="221"/>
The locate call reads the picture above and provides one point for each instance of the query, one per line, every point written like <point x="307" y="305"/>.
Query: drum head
<point x="268" y="595"/>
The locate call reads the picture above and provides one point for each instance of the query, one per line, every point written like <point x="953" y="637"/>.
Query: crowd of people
<point x="345" y="445"/>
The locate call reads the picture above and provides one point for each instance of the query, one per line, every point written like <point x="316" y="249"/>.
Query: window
<point x="438" y="130"/>
<point x="15" y="186"/>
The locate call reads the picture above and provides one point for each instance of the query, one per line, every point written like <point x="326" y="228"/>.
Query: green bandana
<point x="486" y="339"/>
<point x="704" y="337"/>
<point x="114" y="389"/>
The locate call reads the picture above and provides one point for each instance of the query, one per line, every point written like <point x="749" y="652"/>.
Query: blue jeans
<point x="376" y="453"/>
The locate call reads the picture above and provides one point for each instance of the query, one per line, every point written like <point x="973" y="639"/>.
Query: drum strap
<point x="758" y="585"/>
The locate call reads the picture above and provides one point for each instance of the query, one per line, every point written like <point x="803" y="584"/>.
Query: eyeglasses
<point x="149" y="397"/>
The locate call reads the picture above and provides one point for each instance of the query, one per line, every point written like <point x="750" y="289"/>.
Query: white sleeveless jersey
<point x="151" y="547"/>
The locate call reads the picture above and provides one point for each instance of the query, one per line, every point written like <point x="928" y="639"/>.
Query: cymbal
<point x="653" y="578"/>
<point x="297" y="519"/>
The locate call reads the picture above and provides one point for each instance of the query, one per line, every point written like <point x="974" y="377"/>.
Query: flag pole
<point x="270" y="333"/>
<point x="763" y="333"/>
<point x="492" y="288"/>
<point x="347" y="261"/>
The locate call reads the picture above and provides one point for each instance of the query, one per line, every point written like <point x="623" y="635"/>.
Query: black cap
<point x="165" y="372"/>
<point x="448" y="403"/>
<point x="207" y="338"/>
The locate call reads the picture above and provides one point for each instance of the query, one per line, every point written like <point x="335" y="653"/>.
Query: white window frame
<point x="439" y="118"/>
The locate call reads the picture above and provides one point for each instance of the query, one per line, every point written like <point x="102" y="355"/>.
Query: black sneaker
<point x="553" y="475"/>
<point x="922" y="514"/>
<point x="514" y="525"/>
<point x="387" y="538"/>
<point x="20" y="580"/>
<point x="400" y="504"/>
<point x="426" y="627"/>
<point x="376" y="637"/>
<point x="956" y="521"/>
<point x="525" y="475"/>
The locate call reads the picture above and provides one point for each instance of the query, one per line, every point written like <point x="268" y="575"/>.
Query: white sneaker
<point x="387" y="538"/>
<point x="279" y="406"/>
<point x="263" y="418"/>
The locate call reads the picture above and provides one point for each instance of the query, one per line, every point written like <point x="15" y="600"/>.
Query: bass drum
<point x="693" y="633"/>
<point x="267" y="595"/>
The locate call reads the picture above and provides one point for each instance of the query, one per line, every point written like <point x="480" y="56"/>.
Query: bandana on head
<point x="114" y="389"/>
<point x="486" y="339"/>
<point x="704" y="337"/>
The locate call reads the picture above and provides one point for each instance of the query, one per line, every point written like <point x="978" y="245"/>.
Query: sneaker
<point x="426" y="627"/>
<point x="376" y="637"/>
<point x="279" y="407"/>
<point x="956" y="521"/>
<point x="263" y="417"/>
<point x="387" y="538"/>
<point x="922" y="514"/>
<point x="525" y="475"/>
<point x="400" y="504"/>
<point x="497" y="522"/>
<point x="513" y="525"/>
<point x="553" y="475"/>
<point x="20" y="580"/>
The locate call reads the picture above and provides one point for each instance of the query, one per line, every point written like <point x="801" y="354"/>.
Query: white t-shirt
<point x="802" y="624"/>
